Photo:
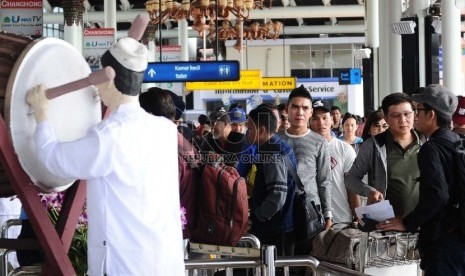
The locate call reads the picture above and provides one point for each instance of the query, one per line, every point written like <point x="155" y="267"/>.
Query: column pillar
<point x="451" y="46"/>
<point x="72" y="12"/>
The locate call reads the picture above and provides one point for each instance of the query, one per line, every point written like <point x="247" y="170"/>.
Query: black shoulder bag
<point x="308" y="220"/>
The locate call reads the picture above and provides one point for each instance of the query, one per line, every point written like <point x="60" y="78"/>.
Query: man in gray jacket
<point x="390" y="159"/>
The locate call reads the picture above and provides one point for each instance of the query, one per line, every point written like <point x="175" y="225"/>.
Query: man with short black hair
<point x="313" y="157"/>
<point x="283" y="117"/>
<point x="272" y="198"/>
<point x="441" y="243"/>
<point x="336" y="114"/>
<point x="390" y="159"/>
<point x="343" y="201"/>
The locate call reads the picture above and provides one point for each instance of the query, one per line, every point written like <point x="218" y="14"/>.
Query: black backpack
<point x="460" y="192"/>
<point x="457" y="196"/>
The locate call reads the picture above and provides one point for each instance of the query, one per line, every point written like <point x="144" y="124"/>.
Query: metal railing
<point x="250" y="255"/>
<point x="248" y="246"/>
<point x="4" y="252"/>
<point x="267" y="263"/>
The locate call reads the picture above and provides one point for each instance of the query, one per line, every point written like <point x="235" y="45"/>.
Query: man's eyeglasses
<point x="417" y="110"/>
<point x="398" y="115"/>
<point x="378" y="125"/>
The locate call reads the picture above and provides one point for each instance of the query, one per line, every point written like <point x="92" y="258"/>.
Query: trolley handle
<point x="97" y="77"/>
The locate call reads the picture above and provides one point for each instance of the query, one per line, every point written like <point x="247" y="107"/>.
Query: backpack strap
<point x="187" y="152"/>
<point x="293" y="172"/>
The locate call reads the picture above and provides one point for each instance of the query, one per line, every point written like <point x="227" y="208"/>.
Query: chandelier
<point x="206" y="13"/>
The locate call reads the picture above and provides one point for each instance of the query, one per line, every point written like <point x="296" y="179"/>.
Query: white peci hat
<point x="130" y="54"/>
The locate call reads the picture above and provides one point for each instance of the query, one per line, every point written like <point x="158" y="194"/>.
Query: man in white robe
<point x="130" y="163"/>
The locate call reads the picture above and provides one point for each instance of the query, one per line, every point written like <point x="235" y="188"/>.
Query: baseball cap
<point x="237" y="115"/>
<point x="178" y="103"/>
<point x="224" y="118"/>
<point x="215" y="115"/>
<point x="318" y="105"/>
<point x="439" y="97"/>
<point x="459" y="115"/>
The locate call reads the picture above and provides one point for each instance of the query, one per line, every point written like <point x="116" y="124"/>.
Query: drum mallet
<point x="138" y="26"/>
<point x="94" y="78"/>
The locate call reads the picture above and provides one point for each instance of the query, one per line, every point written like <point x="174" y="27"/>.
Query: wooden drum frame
<point x="52" y="62"/>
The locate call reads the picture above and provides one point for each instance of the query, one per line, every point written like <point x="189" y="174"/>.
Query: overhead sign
<point x="188" y="71"/>
<point x="22" y="17"/>
<point x="350" y="76"/>
<point x="168" y="53"/>
<point x="250" y="79"/>
<point x="275" y="83"/>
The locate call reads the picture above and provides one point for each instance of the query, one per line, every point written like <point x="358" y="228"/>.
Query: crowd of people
<point x="136" y="182"/>
<point x="342" y="159"/>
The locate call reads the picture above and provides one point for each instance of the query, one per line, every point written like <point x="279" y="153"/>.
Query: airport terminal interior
<point x="348" y="54"/>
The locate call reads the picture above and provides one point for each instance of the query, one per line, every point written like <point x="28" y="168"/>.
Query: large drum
<point x="52" y="62"/>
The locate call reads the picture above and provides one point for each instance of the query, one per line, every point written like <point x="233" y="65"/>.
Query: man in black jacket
<point x="441" y="245"/>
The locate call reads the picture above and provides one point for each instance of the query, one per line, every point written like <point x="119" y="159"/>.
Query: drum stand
<point x="53" y="241"/>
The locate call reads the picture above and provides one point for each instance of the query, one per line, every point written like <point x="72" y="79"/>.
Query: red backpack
<point x="223" y="207"/>
<point x="190" y="176"/>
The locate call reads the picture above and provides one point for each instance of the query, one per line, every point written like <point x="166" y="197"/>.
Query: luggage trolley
<point x="375" y="253"/>
<point x="387" y="253"/>
<point x="248" y="246"/>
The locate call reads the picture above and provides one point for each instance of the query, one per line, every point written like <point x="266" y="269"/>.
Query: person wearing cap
<point x="441" y="244"/>
<point x="343" y="201"/>
<point x="224" y="141"/>
<point x="238" y="117"/>
<point x="389" y="159"/>
<point x="133" y="206"/>
<point x="313" y="157"/>
<point x="459" y="117"/>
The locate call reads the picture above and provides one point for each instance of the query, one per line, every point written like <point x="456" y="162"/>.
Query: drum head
<point x="52" y="62"/>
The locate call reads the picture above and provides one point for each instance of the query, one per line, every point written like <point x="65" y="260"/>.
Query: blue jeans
<point x="445" y="257"/>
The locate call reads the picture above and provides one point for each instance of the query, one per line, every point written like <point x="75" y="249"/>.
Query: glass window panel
<point x="342" y="59"/>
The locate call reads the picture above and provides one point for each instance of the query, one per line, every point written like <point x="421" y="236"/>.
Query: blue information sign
<point x="184" y="71"/>
<point x="350" y="76"/>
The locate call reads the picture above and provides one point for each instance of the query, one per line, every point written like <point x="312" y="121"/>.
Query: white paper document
<point x="378" y="211"/>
